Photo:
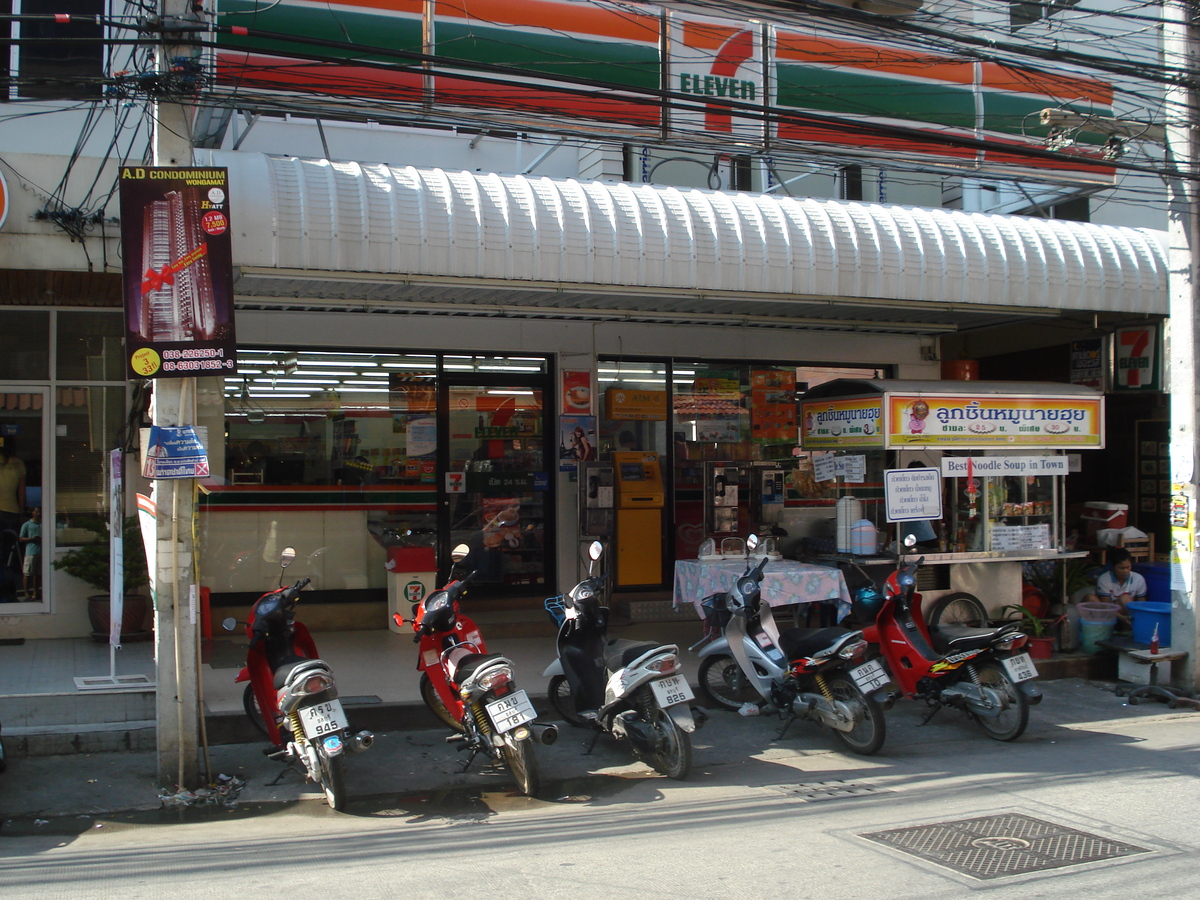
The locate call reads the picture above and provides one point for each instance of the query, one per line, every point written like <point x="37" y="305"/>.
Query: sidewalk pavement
<point x="73" y="793"/>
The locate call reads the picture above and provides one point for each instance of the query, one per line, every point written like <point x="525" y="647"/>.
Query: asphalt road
<point x="1093" y="779"/>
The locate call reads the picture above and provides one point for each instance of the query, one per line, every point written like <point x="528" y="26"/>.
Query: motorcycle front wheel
<point x="523" y="764"/>
<point x="869" y="733"/>
<point x="672" y="753"/>
<point x="563" y="701"/>
<point x="724" y="684"/>
<point x="1011" y="723"/>
<point x="333" y="780"/>
<point x="430" y="695"/>
<point x="250" y="704"/>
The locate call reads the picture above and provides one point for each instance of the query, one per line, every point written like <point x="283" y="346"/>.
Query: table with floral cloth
<point x="785" y="582"/>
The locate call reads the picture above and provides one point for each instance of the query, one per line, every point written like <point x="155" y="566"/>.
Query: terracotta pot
<point x="1041" y="647"/>
<point x="133" y="617"/>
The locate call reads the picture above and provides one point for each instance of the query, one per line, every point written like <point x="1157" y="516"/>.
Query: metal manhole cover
<point x="1002" y="845"/>
<point x="813" y="791"/>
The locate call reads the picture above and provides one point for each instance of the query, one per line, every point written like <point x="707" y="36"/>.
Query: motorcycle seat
<point x="798" y="643"/>
<point x="977" y="637"/>
<point x="619" y="653"/>
<point x="469" y="665"/>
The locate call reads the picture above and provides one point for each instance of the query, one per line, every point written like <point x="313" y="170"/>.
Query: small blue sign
<point x="174" y="453"/>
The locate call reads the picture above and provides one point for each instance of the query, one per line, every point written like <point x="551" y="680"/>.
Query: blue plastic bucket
<point x="1145" y="616"/>
<point x="1158" y="582"/>
<point x="1091" y="633"/>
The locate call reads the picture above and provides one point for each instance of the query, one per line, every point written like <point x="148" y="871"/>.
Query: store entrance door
<point x="23" y="418"/>
<point x="497" y="485"/>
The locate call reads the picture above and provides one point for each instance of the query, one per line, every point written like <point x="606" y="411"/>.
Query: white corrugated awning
<point x="320" y="229"/>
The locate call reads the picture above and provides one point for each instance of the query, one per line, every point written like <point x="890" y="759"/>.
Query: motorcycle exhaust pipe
<point x="543" y="734"/>
<point x="360" y="742"/>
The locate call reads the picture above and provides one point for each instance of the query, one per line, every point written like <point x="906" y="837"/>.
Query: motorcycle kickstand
<point x="589" y="746"/>
<point x="786" y="725"/>
<point x="933" y="711"/>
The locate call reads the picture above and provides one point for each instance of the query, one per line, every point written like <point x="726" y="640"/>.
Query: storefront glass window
<point x="26" y="356"/>
<point x="87" y="418"/>
<point x="89" y="346"/>
<point x="634" y="406"/>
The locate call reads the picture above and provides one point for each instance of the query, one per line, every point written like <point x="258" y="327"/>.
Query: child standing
<point x="31" y="540"/>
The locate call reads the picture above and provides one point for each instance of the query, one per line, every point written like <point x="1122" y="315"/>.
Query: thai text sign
<point x="912" y="494"/>
<point x="922" y="420"/>
<point x="841" y="423"/>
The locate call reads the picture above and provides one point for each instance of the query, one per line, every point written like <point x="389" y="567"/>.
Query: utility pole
<point x="1180" y="52"/>
<point x="177" y="707"/>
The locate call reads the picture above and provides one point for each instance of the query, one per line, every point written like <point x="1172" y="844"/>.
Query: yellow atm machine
<point x="639" y="517"/>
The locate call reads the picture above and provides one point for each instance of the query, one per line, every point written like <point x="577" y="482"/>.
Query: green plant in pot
<point x="1041" y="642"/>
<point x="90" y="564"/>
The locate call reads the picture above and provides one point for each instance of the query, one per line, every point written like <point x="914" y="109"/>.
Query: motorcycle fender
<point x="1031" y="691"/>
<point x="243" y="675"/>
<point x="555" y="668"/>
<point x="681" y="715"/>
<point x="719" y="646"/>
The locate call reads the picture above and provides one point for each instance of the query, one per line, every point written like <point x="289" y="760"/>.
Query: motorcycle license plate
<point x="870" y="676"/>
<point x="509" y="712"/>
<point x="671" y="690"/>
<point x="1020" y="667"/>
<point x="323" y="718"/>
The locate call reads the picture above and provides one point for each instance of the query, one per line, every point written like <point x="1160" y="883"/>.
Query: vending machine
<point x="640" y="499"/>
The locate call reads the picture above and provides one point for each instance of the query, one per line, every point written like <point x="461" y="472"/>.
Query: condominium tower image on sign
<point x="177" y="301"/>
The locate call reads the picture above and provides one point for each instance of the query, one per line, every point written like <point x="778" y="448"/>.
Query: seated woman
<point x="1119" y="584"/>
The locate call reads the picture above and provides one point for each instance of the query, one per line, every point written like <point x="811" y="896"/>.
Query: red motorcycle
<point x="471" y="690"/>
<point x="979" y="673"/>
<point x="305" y="721"/>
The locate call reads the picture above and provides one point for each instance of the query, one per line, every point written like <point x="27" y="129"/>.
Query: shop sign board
<point x="626" y="404"/>
<point x="178" y="272"/>
<point x="912" y="494"/>
<point x="924" y="420"/>
<point x="975" y="466"/>
<point x="1136" y="355"/>
<point x="484" y="482"/>
<point x="841" y="423"/>
<point x="852" y="469"/>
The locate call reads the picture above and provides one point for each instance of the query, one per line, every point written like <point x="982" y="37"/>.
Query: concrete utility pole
<point x="1180" y="52"/>
<point x="175" y="404"/>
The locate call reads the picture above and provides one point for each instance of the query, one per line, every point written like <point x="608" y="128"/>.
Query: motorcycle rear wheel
<point x="3" y="757"/>
<point x="524" y="765"/>
<point x="333" y="780"/>
<point x="563" y="701"/>
<point x="672" y="754"/>
<point x="1011" y="723"/>
<point x="430" y="695"/>
<point x="957" y="609"/>
<point x="869" y="734"/>
<point x="724" y="684"/>
<point x="250" y="704"/>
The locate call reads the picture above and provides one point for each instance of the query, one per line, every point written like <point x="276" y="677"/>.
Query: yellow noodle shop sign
<point x="921" y="420"/>
<point x="841" y="423"/>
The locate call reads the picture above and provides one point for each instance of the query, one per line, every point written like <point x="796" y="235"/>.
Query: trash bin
<point x="1096" y="623"/>
<point x="412" y="573"/>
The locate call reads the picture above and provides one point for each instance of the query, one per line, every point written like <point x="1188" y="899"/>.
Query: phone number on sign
<point x="194" y="365"/>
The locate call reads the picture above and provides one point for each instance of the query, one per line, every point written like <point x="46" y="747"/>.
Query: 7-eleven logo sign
<point x="1135" y="355"/>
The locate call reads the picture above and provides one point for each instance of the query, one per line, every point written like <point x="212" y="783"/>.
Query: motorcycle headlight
<point x="907" y="581"/>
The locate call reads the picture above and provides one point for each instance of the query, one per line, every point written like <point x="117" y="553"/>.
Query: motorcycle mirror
<point x="286" y="557"/>
<point x="910" y="541"/>
<point x="752" y="542"/>
<point x="229" y="624"/>
<point x="459" y="553"/>
<point x="595" y="551"/>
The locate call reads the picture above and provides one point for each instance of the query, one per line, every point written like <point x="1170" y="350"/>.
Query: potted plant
<point x="90" y="564"/>
<point x="1041" y="644"/>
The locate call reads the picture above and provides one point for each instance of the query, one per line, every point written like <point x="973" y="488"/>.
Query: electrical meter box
<point x="640" y="501"/>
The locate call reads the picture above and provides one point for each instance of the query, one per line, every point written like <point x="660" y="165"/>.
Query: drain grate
<point x="813" y="791"/>
<point x="1002" y="845"/>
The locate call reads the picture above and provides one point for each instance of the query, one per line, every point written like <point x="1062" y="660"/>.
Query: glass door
<point x="23" y="564"/>
<point x="497" y="482"/>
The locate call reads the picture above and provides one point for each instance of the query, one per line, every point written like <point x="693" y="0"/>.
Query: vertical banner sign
<point x="116" y="547"/>
<point x="1137" y="359"/>
<point x="178" y="272"/>
<point x="1087" y="363"/>
<point x="576" y="392"/>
